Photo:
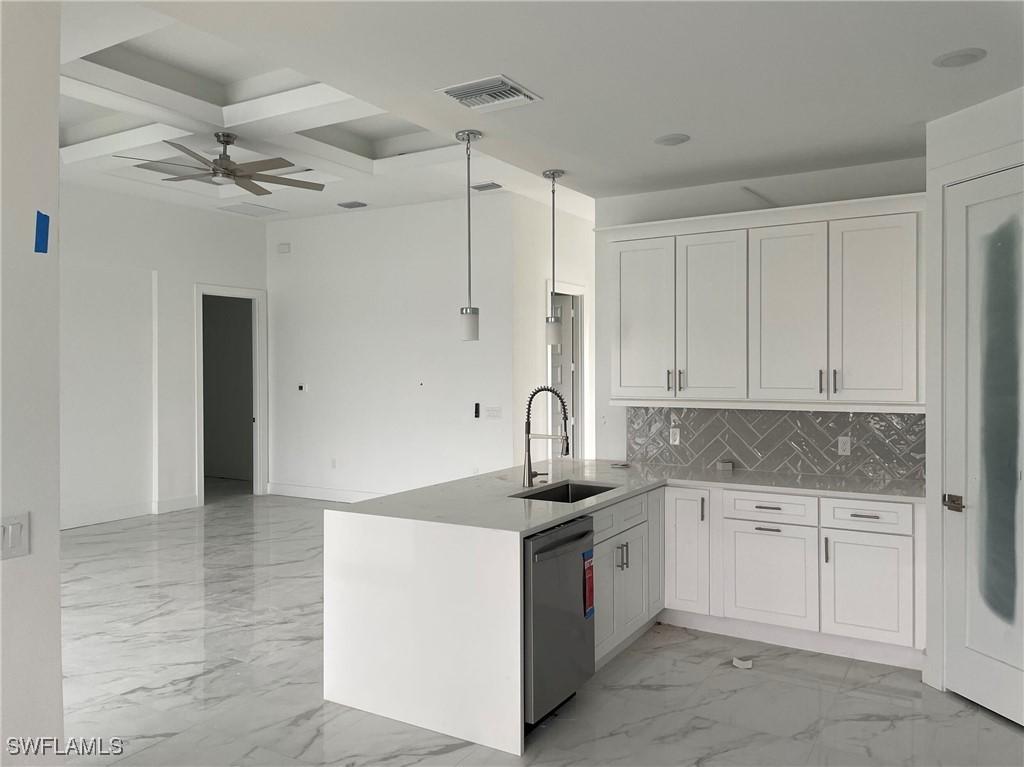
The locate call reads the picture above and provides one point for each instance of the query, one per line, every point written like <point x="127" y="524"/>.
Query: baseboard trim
<point x="84" y="516"/>
<point x="165" y="505"/>
<point x="320" y="493"/>
<point x="858" y="649"/>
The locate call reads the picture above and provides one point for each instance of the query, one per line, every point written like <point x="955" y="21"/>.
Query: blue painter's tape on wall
<point x="42" y="232"/>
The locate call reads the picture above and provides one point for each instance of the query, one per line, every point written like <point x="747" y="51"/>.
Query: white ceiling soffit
<point x="763" y="88"/>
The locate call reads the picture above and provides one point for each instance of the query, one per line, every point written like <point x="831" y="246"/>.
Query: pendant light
<point x="553" y="322"/>
<point x="469" y="313"/>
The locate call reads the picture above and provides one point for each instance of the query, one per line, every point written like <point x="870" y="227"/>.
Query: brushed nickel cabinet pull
<point x="626" y="560"/>
<point x="768" y="508"/>
<point x="826" y="549"/>
<point x="680" y="380"/>
<point x="668" y="380"/>
<point x="702" y="508"/>
<point x="821" y="381"/>
<point x="864" y="516"/>
<point x="835" y="381"/>
<point x="768" y="529"/>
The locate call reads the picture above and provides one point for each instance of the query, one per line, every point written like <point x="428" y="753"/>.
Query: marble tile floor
<point x="197" y="637"/>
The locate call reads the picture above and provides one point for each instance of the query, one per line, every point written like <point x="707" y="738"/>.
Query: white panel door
<point x="631" y="582"/>
<point x="867" y="586"/>
<point x="687" y="550"/>
<point x="643" y="346"/>
<point x="873" y="309"/>
<point x="789" y="312"/>
<point x="983" y="432"/>
<point x="607" y="558"/>
<point x="770" y="573"/>
<point x="711" y="315"/>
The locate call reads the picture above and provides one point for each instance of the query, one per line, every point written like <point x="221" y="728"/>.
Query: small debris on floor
<point x="744" y="663"/>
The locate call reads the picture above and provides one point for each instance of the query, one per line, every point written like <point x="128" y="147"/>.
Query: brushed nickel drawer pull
<point x="821" y="381"/>
<point x="702" y="508"/>
<point x="768" y="508"/>
<point x="826" y="549"/>
<point x="768" y="529"/>
<point x="864" y="516"/>
<point x="668" y="380"/>
<point x="835" y="381"/>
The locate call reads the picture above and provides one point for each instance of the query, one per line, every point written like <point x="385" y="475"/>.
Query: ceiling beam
<point x="119" y="142"/>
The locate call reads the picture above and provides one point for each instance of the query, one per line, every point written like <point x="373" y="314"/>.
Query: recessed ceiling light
<point x="351" y="205"/>
<point x="672" y="139"/>
<point x="961" y="58"/>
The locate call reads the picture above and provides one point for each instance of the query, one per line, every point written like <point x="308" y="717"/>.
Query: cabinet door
<point x="789" y="312"/>
<point x="867" y="586"/>
<point x="873" y="309"/>
<point x="687" y="550"/>
<point x="643" y="346"/>
<point x="631" y="593"/>
<point x="607" y="559"/>
<point x="711" y="316"/>
<point x="771" y="573"/>
<point x="656" y="549"/>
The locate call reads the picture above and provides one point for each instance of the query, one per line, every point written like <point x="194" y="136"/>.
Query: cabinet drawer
<point x="771" y="507"/>
<point x="870" y="516"/>
<point x="612" y="520"/>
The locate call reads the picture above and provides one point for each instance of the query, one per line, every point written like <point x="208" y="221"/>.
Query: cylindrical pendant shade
<point x="470" y="323"/>
<point x="553" y="330"/>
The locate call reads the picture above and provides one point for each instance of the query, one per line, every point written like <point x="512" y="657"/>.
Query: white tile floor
<point x="197" y="636"/>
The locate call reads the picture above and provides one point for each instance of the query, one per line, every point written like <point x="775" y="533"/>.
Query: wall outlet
<point x="843" y="445"/>
<point x="14" y="536"/>
<point x="673" y="436"/>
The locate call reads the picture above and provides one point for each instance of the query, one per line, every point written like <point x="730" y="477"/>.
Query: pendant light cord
<point x="552" y="246"/>
<point x="469" y="233"/>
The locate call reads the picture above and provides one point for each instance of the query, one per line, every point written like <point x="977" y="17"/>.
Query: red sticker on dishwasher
<point x="588" y="583"/>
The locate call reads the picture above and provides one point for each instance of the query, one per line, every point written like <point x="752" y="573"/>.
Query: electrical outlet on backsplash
<point x="882" y="445"/>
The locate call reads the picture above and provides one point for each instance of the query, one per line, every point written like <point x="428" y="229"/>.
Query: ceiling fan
<point x="224" y="170"/>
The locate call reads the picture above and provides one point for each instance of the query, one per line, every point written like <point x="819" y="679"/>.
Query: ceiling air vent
<point x="485" y="186"/>
<point x="352" y="205"/>
<point x="498" y="92"/>
<point x="250" y="209"/>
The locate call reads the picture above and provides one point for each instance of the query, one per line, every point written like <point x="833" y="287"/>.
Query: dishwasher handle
<point x="564" y="547"/>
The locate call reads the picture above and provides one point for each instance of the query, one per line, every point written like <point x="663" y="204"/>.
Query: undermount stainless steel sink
<point x="564" y="492"/>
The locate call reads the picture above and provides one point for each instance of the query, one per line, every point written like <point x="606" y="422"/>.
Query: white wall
<point x="127" y="239"/>
<point x="364" y="312"/>
<point x="878" y="179"/>
<point x="30" y="666"/>
<point x="227" y="387"/>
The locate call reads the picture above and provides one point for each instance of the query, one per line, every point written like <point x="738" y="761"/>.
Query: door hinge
<point x="953" y="502"/>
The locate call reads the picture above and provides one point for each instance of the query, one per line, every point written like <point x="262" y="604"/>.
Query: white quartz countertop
<point x="484" y="500"/>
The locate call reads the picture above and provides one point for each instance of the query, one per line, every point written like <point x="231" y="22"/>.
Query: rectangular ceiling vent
<point x="490" y="93"/>
<point x="485" y="186"/>
<point x="249" y="209"/>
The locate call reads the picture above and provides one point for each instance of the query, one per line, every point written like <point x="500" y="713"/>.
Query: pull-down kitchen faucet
<point x="528" y="472"/>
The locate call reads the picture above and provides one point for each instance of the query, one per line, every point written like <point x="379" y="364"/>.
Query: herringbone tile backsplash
<point x="884" y="445"/>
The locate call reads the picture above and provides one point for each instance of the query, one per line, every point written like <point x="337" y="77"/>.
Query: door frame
<point x="260" y="385"/>
<point x="579" y="292"/>
<point x="940" y="178"/>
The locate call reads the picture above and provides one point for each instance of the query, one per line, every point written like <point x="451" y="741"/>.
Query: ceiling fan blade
<point x="285" y="181"/>
<point x="258" y="166"/>
<point x="155" y="162"/>
<point x="205" y="174"/>
<point x="249" y="186"/>
<point x="190" y="153"/>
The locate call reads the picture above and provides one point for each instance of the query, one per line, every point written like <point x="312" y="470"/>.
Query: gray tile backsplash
<point x="884" y="445"/>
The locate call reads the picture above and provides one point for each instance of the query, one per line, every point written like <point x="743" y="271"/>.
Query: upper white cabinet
<point x="645" y="309"/>
<point x="711" y="316"/>
<point x="873" y="309"/>
<point x="789" y="312"/>
<point x="820" y="308"/>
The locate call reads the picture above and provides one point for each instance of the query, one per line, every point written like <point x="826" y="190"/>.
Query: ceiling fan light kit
<point x="469" y="314"/>
<point x="223" y="170"/>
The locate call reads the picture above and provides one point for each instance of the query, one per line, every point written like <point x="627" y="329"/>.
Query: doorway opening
<point x="228" y="397"/>
<point x="565" y="369"/>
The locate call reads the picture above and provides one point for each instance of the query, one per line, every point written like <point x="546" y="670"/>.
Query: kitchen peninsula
<point x="423" y="590"/>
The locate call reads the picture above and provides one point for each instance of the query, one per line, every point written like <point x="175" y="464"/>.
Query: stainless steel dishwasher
<point x="558" y="626"/>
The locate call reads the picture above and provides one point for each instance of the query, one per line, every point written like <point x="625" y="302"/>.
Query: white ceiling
<point x="137" y="78"/>
<point x="763" y="88"/>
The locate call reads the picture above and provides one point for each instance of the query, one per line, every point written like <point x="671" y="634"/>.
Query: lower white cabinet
<point x="867" y="585"/>
<point x="656" y="549"/>
<point x="687" y="550"/>
<point x="770" y="573"/>
<point x="621" y="587"/>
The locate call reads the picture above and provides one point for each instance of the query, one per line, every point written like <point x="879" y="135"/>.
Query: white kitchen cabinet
<point x="873" y="309"/>
<point x="711" y="316"/>
<point x="621" y="587"/>
<point x="656" y="549"/>
<point x="643" y="353"/>
<point x="867" y="586"/>
<point x="789" y="312"/>
<point x="770" y="573"/>
<point x="687" y="550"/>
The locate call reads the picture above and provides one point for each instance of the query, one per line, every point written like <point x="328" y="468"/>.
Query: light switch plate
<point x="843" y="445"/>
<point x="14" y="536"/>
<point x="673" y="436"/>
